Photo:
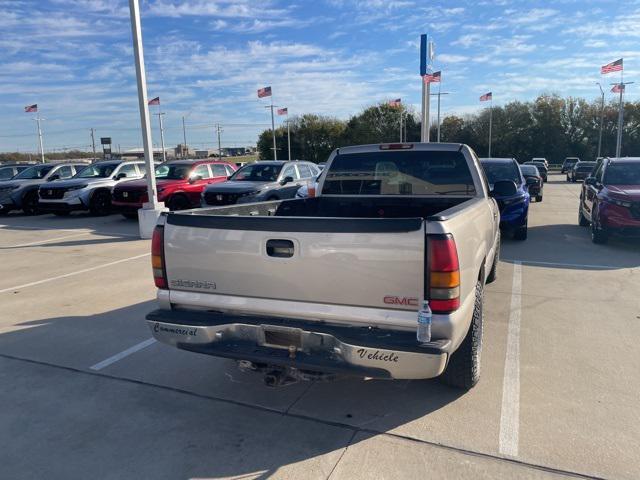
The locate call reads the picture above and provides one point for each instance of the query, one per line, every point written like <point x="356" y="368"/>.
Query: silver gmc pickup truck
<point x="332" y="284"/>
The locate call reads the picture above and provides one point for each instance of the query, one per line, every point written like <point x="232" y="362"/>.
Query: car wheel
<point x="493" y="273"/>
<point x="30" y="203"/>
<point x="582" y="220"/>
<point x="520" y="233"/>
<point x="599" y="235"/>
<point x="130" y="216"/>
<point x="100" y="203"/>
<point x="538" y="198"/>
<point x="463" y="369"/>
<point x="178" y="202"/>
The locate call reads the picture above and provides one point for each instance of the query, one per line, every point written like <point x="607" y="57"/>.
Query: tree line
<point x="550" y="127"/>
<point x="18" y="157"/>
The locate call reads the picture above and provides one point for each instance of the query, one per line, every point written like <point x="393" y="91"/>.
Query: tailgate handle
<point x="280" y="248"/>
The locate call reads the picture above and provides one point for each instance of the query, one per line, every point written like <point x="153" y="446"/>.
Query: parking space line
<point x="38" y="242"/>
<point x="71" y="274"/>
<point x="559" y="264"/>
<point x="510" y="413"/>
<point x="125" y="353"/>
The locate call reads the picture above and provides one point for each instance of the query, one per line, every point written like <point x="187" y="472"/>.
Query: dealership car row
<point x="609" y="198"/>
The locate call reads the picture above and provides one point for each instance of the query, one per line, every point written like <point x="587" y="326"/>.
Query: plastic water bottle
<point x="423" y="333"/>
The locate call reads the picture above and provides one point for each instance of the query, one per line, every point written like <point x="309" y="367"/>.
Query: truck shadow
<point x="165" y="413"/>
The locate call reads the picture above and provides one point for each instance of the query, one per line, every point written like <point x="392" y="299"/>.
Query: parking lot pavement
<point x="90" y="392"/>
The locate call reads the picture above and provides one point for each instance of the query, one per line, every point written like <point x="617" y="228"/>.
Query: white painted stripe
<point x="53" y="229"/>
<point x="510" y="414"/>
<point x="557" y="264"/>
<point x="43" y="241"/>
<point x="71" y="274"/>
<point x="125" y="353"/>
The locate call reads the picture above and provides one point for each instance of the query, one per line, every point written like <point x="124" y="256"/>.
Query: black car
<point x="542" y="168"/>
<point x="568" y="164"/>
<point x="261" y="181"/>
<point x="10" y="170"/>
<point x="534" y="181"/>
<point x="580" y="171"/>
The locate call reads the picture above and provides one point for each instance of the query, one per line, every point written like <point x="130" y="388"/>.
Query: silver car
<point x="90" y="189"/>
<point x="21" y="192"/>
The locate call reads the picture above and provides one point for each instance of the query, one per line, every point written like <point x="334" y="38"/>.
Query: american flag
<point x="264" y="92"/>
<point x="612" y="67"/>
<point x="283" y="111"/>
<point x="31" y="108"/>
<point x="154" y="101"/>
<point x="432" y="77"/>
<point x="395" y="103"/>
<point x="486" y="97"/>
<point x="618" y="88"/>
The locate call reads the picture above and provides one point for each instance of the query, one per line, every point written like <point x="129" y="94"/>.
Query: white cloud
<point x="452" y="58"/>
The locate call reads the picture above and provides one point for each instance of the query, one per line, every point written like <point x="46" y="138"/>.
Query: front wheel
<point x="582" y="220"/>
<point x="178" y="202"/>
<point x="30" y="203"/>
<point x="463" y="369"/>
<point x="100" y="203"/>
<point x="599" y="235"/>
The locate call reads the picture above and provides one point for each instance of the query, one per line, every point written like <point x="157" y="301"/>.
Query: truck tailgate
<point x="341" y="261"/>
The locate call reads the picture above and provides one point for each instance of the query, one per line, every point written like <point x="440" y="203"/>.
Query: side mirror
<point x="531" y="181"/>
<point x="504" y="188"/>
<point x="120" y="176"/>
<point x="286" y="180"/>
<point x="195" y="178"/>
<point x="590" y="181"/>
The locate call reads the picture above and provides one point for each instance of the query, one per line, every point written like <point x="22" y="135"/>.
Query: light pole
<point x="164" y="153"/>
<point x="150" y="212"/>
<point x="38" y="120"/>
<point x="601" y="118"/>
<point x="184" y="134"/>
<point x="438" y="95"/>
<point x="93" y="144"/>
<point x="621" y="88"/>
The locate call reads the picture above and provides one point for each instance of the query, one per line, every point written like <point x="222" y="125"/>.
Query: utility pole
<point x="219" y="143"/>
<point x="184" y="137"/>
<point x="601" y="118"/>
<point x="289" y="136"/>
<point x="93" y="144"/>
<point x="621" y="88"/>
<point x="490" y="123"/>
<point x="438" y="95"/>
<point x="164" y="153"/>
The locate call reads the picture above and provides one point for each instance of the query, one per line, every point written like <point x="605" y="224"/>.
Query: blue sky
<point x="207" y="58"/>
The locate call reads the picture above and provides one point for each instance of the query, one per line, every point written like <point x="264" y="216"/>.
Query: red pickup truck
<point x="180" y="184"/>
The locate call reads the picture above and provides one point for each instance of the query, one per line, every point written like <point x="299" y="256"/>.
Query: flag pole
<point x="273" y="130"/>
<point x="160" y="114"/>
<point x="439" y="93"/>
<point x="288" y="134"/>
<point x="40" y="138"/>
<point x="490" y="123"/>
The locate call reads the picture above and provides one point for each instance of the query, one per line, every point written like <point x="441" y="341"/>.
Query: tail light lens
<point x="444" y="274"/>
<point x="157" y="257"/>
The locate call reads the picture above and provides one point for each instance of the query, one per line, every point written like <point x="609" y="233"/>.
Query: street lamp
<point x="184" y="133"/>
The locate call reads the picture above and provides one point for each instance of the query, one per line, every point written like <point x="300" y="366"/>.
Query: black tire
<point x="178" y="202"/>
<point x="521" y="233"/>
<point x="62" y="213"/>
<point x="463" y="369"/>
<point x="130" y="216"/>
<point x="582" y="220"/>
<point x="493" y="273"/>
<point x="538" y="198"/>
<point x="30" y="203"/>
<point x="100" y="203"/>
<point x="599" y="235"/>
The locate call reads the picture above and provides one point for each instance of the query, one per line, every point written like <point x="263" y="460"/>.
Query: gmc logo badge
<point x="405" y="301"/>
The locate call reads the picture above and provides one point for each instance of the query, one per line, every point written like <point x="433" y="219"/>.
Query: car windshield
<point x="496" y="171"/>
<point x="103" y="170"/>
<point x="262" y="172"/>
<point x="32" y="173"/>
<point x="622" y="174"/>
<point x="176" y="171"/>
<point x="529" y="170"/>
<point x="399" y="173"/>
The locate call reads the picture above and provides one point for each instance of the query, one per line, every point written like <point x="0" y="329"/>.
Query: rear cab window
<point x="399" y="173"/>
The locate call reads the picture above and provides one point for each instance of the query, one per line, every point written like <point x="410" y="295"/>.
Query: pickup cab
<point x="333" y="284"/>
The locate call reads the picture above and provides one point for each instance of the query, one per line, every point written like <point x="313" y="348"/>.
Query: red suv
<point x="179" y="185"/>
<point x="610" y="199"/>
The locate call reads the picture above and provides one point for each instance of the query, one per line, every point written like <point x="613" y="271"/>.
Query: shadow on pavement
<point x="163" y="413"/>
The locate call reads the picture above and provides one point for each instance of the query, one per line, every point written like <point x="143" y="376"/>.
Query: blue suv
<point x="511" y="191"/>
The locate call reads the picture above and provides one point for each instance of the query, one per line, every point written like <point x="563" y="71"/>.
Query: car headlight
<point x="76" y="187"/>
<point x="620" y="203"/>
<point x="247" y="194"/>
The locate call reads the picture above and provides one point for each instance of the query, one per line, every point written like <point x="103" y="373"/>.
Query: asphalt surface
<point x="86" y="394"/>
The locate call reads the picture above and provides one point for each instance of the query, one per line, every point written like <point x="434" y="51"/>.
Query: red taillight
<point x="157" y="257"/>
<point x="396" y="146"/>
<point x="444" y="274"/>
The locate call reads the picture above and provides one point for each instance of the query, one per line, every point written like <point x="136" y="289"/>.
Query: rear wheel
<point x="463" y="369"/>
<point x="178" y="202"/>
<point x="538" y="198"/>
<point x="582" y="220"/>
<point x="30" y="203"/>
<point x="100" y="203"/>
